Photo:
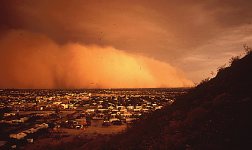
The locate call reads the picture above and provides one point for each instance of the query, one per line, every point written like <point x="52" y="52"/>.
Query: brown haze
<point x="118" y="43"/>
<point x="35" y="61"/>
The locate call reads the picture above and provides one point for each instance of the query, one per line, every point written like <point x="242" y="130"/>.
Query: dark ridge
<point x="214" y="115"/>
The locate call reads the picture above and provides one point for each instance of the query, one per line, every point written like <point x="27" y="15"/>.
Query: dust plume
<point x="32" y="60"/>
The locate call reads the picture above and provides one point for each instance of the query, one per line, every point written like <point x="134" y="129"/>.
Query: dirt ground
<point x="80" y="136"/>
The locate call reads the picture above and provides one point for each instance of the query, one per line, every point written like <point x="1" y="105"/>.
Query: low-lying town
<point x="27" y="115"/>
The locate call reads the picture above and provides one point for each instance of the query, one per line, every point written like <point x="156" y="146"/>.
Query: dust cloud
<point x="32" y="60"/>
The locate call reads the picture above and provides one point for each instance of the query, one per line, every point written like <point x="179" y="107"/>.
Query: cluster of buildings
<point x="26" y="112"/>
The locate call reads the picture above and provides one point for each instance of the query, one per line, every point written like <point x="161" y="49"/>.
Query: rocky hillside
<point x="214" y="115"/>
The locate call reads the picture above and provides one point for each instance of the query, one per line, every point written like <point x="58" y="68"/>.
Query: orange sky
<point x="106" y="44"/>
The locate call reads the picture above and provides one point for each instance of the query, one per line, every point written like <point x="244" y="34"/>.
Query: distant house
<point x="99" y="106"/>
<point x="18" y="136"/>
<point x="24" y="133"/>
<point x="41" y="126"/>
<point x="158" y="107"/>
<point x="31" y="130"/>
<point x="21" y="120"/>
<point x="30" y="140"/>
<point x="110" y="107"/>
<point x="130" y="120"/>
<point x="120" y="107"/>
<point x="90" y="110"/>
<point x="114" y="111"/>
<point x="130" y="107"/>
<point x="9" y="114"/>
<point x="138" y="107"/>
<point x="57" y="103"/>
<point x="137" y="110"/>
<point x="112" y="115"/>
<point x="113" y="119"/>
<point x="127" y="114"/>
<point x="102" y="110"/>
<point x="65" y="106"/>
<point x="145" y="110"/>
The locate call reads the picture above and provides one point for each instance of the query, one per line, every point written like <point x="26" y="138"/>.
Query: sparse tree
<point x="247" y="49"/>
<point x="233" y="60"/>
<point x="221" y="68"/>
<point x="204" y="81"/>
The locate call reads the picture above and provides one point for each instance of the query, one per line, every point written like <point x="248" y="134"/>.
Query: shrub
<point x="221" y="68"/>
<point x="204" y="81"/>
<point x="248" y="50"/>
<point x="233" y="60"/>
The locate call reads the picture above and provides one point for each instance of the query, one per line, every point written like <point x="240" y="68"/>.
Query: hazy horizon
<point x="93" y="88"/>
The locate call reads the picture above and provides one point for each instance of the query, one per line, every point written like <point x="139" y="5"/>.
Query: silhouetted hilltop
<point x="236" y="78"/>
<point x="214" y="115"/>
